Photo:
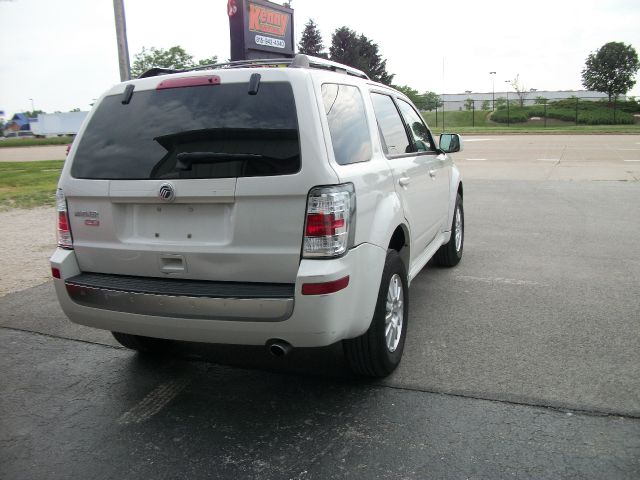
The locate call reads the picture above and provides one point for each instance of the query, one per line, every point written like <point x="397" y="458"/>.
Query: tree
<point x="74" y="110"/>
<point x="412" y="93"/>
<point x="175" y="58"/>
<point x="359" y="52"/>
<point x="207" y="61"/>
<point x="540" y="100"/>
<point x="501" y="103"/>
<point x="311" y="41"/>
<point x="486" y="105"/>
<point x="431" y="100"/>
<point x="611" y="69"/>
<point x="468" y="104"/>
<point x="521" y="90"/>
<point x="33" y="114"/>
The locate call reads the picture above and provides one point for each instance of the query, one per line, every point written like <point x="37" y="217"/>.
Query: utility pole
<point x="121" y="35"/>
<point x="493" y="90"/>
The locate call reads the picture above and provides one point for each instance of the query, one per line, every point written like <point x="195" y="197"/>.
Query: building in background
<point x="456" y="101"/>
<point x="46" y="125"/>
<point x="54" y="124"/>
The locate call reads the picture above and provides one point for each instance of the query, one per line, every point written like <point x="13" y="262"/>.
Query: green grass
<point x="28" y="184"/>
<point x="456" y="119"/>
<point x="32" y="142"/>
<point x="461" y="122"/>
<point x="527" y="128"/>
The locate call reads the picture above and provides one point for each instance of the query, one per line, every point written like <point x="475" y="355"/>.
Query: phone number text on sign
<point x="269" y="42"/>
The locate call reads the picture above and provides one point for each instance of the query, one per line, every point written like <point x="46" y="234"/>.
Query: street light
<point x="508" y="114"/>
<point x="493" y="90"/>
<point x="33" y="109"/>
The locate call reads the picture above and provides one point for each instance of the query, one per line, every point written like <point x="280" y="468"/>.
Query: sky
<point x="62" y="54"/>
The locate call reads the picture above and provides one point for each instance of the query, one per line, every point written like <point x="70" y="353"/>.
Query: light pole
<point x="493" y="90"/>
<point x="121" y="37"/>
<point x="33" y="109"/>
<point x="473" y="107"/>
<point x="508" y="115"/>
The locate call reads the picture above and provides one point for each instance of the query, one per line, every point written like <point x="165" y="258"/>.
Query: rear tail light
<point x="64" y="229"/>
<point x="330" y="223"/>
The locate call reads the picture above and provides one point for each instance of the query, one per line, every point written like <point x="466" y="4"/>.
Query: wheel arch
<point x="400" y="242"/>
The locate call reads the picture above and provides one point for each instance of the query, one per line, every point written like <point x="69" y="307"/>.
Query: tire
<point x="146" y="345"/>
<point x="371" y="354"/>
<point x="450" y="254"/>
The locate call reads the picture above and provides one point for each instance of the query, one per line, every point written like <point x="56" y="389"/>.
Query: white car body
<point x="248" y="231"/>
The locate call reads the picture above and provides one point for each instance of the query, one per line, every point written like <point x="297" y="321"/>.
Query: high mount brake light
<point x="329" y="225"/>
<point x="65" y="240"/>
<point x="189" y="82"/>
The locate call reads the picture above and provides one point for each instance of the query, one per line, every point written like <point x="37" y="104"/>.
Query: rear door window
<point x="216" y="131"/>
<point x="348" y="127"/>
<point x="394" y="136"/>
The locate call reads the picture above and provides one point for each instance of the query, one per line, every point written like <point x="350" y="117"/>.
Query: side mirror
<point x="451" y="142"/>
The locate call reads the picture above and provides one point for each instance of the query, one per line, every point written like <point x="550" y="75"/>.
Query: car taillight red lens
<point x="329" y="229"/>
<point x="320" y="224"/>
<point x="64" y="229"/>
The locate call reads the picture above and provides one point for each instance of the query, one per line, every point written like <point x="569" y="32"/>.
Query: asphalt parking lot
<point x="522" y="362"/>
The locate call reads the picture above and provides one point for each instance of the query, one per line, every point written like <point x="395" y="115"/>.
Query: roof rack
<point x="299" y="61"/>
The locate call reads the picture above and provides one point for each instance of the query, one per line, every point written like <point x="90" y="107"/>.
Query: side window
<point x="418" y="129"/>
<point x="394" y="136"/>
<point x="348" y="127"/>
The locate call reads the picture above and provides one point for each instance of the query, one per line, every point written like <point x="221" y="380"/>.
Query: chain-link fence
<point x="541" y="112"/>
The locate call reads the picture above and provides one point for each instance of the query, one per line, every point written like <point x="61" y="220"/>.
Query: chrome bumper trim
<point x="206" y="308"/>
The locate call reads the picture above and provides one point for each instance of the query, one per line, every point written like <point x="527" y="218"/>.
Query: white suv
<point x="254" y="204"/>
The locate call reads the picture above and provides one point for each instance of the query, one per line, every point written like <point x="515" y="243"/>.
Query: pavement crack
<point x="557" y="408"/>
<point x="487" y="398"/>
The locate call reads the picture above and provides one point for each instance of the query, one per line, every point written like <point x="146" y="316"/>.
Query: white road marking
<point x="631" y="160"/>
<point x="548" y="159"/>
<point x="467" y="139"/>
<point x="499" y="280"/>
<point x="476" y="159"/>
<point x="628" y="149"/>
<point x="155" y="401"/>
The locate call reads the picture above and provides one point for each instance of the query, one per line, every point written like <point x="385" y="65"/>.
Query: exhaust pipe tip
<point x="279" y="348"/>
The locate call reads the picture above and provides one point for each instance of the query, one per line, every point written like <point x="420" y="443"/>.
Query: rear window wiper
<point x="186" y="159"/>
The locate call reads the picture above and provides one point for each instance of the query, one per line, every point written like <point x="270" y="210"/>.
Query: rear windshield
<point x="217" y="131"/>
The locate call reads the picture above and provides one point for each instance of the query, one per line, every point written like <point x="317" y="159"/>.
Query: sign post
<point x="260" y="29"/>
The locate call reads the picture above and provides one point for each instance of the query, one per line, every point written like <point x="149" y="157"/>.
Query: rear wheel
<point x="147" y="345"/>
<point x="378" y="351"/>
<point x="449" y="254"/>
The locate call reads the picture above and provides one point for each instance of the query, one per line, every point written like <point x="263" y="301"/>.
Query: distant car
<point x="286" y="207"/>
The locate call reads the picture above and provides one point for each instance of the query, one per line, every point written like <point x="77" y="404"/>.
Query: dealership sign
<point x="260" y="29"/>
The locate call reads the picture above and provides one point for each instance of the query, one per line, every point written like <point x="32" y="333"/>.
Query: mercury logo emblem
<point x="167" y="192"/>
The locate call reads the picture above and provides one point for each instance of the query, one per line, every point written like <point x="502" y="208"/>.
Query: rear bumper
<point x="161" y="297"/>
<point x="301" y="320"/>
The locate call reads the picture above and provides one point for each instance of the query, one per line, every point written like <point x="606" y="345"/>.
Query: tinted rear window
<point x="344" y="107"/>
<point x="142" y="140"/>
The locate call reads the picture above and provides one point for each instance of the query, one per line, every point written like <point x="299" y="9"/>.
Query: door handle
<point x="432" y="173"/>
<point x="404" y="181"/>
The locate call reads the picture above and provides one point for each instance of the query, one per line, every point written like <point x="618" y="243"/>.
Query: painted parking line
<point x="476" y="159"/>
<point x="547" y="159"/>
<point x="466" y="139"/>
